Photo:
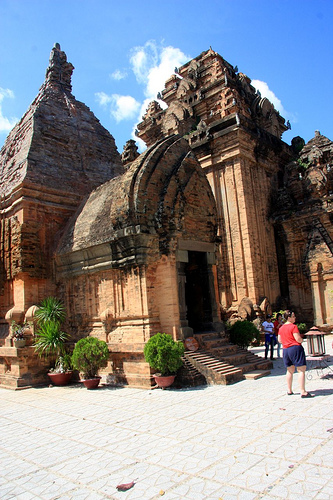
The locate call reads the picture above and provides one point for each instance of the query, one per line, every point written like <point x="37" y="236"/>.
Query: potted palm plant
<point x="89" y="355"/>
<point x="164" y="355"/>
<point x="50" y="340"/>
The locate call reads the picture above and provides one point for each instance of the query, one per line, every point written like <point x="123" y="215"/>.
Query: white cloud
<point x="153" y="65"/>
<point x="118" y="75"/>
<point x="122" y="107"/>
<point x="103" y="99"/>
<point x="143" y="59"/>
<point x="144" y="107"/>
<point x="139" y="142"/>
<point x="265" y="91"/>
<point x="125" y="107"/>
<point x="6" y="124"/>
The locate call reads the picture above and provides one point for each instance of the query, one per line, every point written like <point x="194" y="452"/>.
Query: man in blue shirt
<point x="268" y="329"/>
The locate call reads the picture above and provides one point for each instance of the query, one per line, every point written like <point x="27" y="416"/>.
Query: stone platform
<point x="248" y="440"/>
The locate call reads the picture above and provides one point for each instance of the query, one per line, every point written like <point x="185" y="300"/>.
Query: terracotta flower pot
<point x="60" y="378"/>
<point x="164" y="381"/>
<point x="91" y="383"/>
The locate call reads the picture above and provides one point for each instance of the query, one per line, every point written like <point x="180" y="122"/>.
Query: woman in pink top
<point x="293" y="353"/>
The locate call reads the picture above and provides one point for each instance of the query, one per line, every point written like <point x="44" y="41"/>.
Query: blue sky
<point x="123" y="51"/>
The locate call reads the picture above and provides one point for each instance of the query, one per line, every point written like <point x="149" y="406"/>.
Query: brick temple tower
<point x="218" y="219"/>
<point x="236" y="136"/>
<point x="55" y="155"/>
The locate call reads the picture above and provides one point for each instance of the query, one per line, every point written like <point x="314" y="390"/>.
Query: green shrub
<point x="89" y="355"/>
<point x="274" y="315"/>
<point x="302" y="327"/>
<point x="242" y="333"/>
<point x="164" y="354"/>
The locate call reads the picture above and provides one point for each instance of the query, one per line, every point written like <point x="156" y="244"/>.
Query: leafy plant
<point x="242" y="333"/>
<point x="49" y="338"/>
<point x="302" y="327"/>
<point x="51" y="309"/>
<point x="164" y="354"/>
<point x="63" y="364"/>
<point x="89" y="355"/>
<point x="304" y="164"/>
<point x="18" y="330"/>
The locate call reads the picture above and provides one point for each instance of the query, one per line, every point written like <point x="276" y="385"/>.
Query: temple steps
<point x="220" y="362"/>
<point x="189" y="375"/>
<point x="214" y="370"/>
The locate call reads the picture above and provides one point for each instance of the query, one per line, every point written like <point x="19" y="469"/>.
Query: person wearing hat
<point x="268" y="328"/>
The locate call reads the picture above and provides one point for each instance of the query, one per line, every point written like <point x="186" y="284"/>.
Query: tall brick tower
<point x="51" y="160"/>
<point x="236" y="136"/>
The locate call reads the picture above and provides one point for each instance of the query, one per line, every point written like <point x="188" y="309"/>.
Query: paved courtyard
<point x="246" y="441"/>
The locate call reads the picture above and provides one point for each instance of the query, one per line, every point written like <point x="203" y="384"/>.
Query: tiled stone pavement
<point x="245" y="441"/>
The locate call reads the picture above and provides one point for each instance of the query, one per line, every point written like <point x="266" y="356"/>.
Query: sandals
<point x="307" y="395"/>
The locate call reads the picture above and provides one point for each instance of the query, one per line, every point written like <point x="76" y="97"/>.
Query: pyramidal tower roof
<point x="58" y="144"/>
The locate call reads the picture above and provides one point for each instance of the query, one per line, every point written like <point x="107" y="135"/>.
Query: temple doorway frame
<point x="205" y="253"/>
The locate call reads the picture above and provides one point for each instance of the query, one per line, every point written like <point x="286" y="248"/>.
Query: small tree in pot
<point x="50" y="340"/>
<point x="164" y="355"/>
<point x="89" y="355"/>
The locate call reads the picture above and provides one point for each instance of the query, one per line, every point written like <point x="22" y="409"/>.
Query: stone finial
<point x="130" y="152"/>
<point x="59" y="70"/>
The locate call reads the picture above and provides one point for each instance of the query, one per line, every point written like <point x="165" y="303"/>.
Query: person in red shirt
<point x="293" y="353"/>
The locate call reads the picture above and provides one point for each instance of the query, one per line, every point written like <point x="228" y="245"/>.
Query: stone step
<point x="214" y="370"/>
<point x="206" y="335"/>
<point x="189" y="376"/>
<point x="223" y="363"/>
<point x="255" y="374"/>
<point x="227" y="369"/>
<point x="247" y="367"/>
<point x="215" y="364"/>
<point x="261" y="363"/>
<point x="237" y="358"/>
<point x="210" y="340"/>
<point x="264" y="364"/>
<point x="223" y="350"/>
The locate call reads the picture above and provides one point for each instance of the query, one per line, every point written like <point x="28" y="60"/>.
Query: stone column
<point x="317" y="307"/>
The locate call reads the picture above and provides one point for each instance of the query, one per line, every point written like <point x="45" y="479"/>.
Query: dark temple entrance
<point x="197" y="294"/>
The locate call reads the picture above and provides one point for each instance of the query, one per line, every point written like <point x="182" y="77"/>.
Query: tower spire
<point x="59" y="70"/>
